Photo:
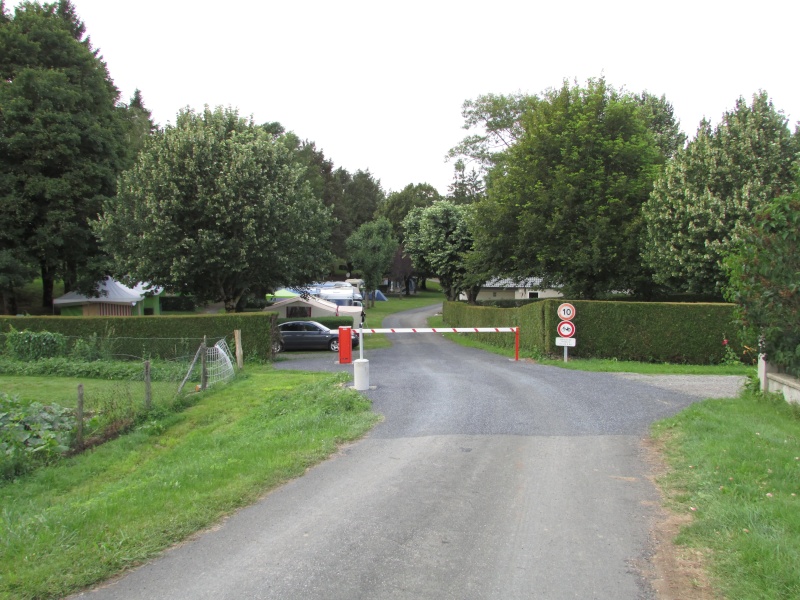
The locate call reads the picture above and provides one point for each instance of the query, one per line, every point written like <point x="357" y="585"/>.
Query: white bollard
<point x="361" y="374"/>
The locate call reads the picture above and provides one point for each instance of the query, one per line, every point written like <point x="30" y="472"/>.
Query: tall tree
<point x="61" y="142"/>
<point x="466" y="188"/>
<point x="439" y="238"/>
<point x="362" y="197"/>
<point x="705" y="198"/>
<point x="352" y="198"/>
<point x="398" y="204"/>
<point x="565" y="204"/>
<point x="371" y="249"/>
<point x="661" y="121"/>
<point x="216" y="206"/>
<point x="498" y="122"/>
<point x="139" y="125"/>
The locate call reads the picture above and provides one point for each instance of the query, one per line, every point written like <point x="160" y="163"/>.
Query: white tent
<point x="115" y="299"/>
<point x="111" y="292"/>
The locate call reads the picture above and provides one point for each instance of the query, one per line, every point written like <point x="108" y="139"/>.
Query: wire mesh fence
<point x="107" y="392"/>
<point x="105" y="347"/>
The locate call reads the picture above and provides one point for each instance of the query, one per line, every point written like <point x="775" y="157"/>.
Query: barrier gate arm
<point x="514" y="330"/>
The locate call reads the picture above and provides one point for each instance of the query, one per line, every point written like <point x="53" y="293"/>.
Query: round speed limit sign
<point x="566" y="329"/>
<point x="566" y="311"/>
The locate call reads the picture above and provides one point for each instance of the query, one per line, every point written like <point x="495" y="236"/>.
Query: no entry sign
<point x="566" y="329"/>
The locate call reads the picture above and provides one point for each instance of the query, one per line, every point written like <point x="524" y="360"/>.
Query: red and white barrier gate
<point x="514" y="330"/>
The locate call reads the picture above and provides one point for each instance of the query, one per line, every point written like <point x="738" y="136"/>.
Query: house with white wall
<point x="513" y="289"/>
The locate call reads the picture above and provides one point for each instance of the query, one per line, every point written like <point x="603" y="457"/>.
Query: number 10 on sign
<point x="566" y="329"/>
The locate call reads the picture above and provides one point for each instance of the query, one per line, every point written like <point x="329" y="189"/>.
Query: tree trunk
<point x="9" y="302"/>
<point x="70" y="276"/>
<point x="230" y="304"/>
<point x="47" y="286"/>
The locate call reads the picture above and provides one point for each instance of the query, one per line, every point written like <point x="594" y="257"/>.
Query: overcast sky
<point x="379" y="85"/>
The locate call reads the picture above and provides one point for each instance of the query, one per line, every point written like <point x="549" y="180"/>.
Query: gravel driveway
<point x="699" y="386"/>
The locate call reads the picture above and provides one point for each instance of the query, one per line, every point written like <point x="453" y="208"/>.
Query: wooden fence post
<point x="79" y="417"/>
<point x="204" y="366"/>
<point x="237" y="335"/>
<point x="148" y="396"/>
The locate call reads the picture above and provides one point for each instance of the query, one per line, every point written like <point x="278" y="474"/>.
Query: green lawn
<point x="69" y="526"/>
<point x="735" y="468"/>
<point x="64" y="390"/>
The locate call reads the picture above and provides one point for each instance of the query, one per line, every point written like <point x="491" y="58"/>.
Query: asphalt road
<point x="488" y="478"/>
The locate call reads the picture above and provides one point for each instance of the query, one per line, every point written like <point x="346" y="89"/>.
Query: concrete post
<point x="361" y="374"/>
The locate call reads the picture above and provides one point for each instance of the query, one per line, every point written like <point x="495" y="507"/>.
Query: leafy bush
<point x="86" y="349"/>
<point x="33" y="345"/>
<point x="764" y="283"/>
<point x="117" y="370"/>
<point x="31" y="435"/>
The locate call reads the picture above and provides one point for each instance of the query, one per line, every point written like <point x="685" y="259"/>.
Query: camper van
<point x="340" y="293"/>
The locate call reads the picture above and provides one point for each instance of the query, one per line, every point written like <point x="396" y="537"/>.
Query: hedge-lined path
<point x="488" y="478"/>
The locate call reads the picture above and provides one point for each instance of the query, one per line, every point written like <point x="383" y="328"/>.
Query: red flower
<point x="724" y="342"/>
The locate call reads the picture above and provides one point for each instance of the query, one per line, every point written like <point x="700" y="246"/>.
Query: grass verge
<point x="734" y="466"/>
<point x="69" y="526"/>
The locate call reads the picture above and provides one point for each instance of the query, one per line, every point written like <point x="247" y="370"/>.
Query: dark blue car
<point x="309" y="335"/>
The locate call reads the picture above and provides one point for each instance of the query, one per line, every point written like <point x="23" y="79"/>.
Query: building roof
<point x="111" y="292"/>
<point x="344" y="311"/>
<point x="530" y="282"/>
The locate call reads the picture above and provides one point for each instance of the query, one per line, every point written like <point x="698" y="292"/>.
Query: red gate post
<point x="516" y="343"/>
<point x="345" y="346"/>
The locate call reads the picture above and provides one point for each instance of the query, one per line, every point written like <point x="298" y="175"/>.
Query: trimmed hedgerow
<point x="643" y="331"/>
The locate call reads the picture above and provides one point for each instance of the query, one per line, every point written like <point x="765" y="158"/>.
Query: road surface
<point x="487" y="478"/>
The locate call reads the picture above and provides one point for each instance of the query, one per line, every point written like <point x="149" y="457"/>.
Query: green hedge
<point x="159" y="336"/>
<point x="643" y="331"/>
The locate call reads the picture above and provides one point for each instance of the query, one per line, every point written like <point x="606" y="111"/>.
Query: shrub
<point x="765" y="285"/>
<point x="86" y="349"/>
<point x="31" y="435"/>
<point x="108" y="370"/>
<point x="33" y="345"/>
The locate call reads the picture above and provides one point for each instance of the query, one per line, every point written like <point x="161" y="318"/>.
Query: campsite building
<point x="114" y="300"/>
<point x="309" y="307"/>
